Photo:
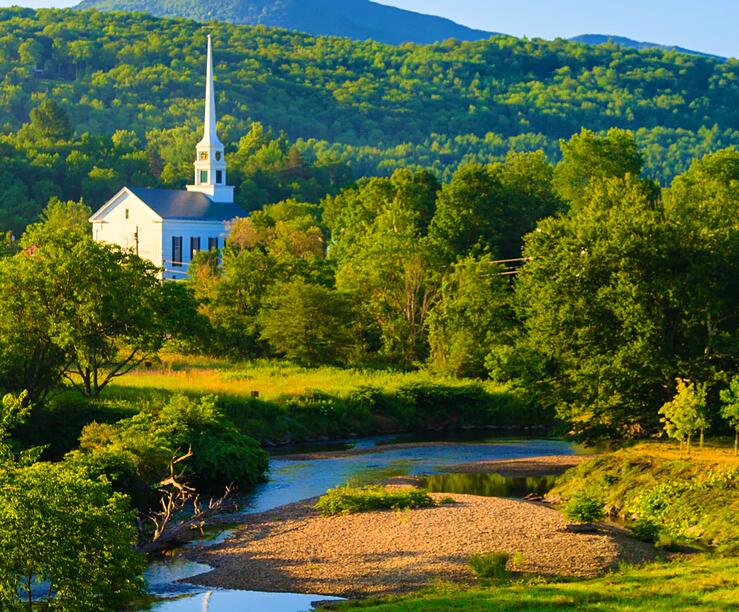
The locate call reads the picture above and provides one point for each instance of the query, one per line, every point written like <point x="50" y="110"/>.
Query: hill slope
<point x="357" y="19"/>
<point x="601" y="39"/>
<point x="363" y="107"/>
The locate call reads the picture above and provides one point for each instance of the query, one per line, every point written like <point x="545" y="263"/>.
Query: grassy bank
<point x="699" y="582"/>
<point x="662" y="495"/>
<point x="278" y="402"/>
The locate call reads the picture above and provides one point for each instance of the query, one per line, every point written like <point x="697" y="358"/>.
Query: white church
<point x="166" y="226"/>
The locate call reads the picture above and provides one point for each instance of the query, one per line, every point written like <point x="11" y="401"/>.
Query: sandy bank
<point x="294" y="549"/>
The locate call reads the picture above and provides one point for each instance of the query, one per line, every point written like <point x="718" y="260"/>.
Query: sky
<point x="711" y="26"/>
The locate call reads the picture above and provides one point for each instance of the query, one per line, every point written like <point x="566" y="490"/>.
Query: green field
<point x="697" y="582"/>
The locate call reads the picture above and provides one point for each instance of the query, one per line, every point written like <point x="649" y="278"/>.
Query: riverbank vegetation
<point x="662" y="494"/>
<point x="348" y="499"/>
<point x="697" y="582"/>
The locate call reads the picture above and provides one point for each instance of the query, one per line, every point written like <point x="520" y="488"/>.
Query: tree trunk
<point x="689" y="436"/>
<point x="701" y="442"/>
<point x="736" y="442"/>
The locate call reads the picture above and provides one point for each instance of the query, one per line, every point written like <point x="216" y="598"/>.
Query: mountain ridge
<point x="355" y="19"/>
<point x="601" y="39"/>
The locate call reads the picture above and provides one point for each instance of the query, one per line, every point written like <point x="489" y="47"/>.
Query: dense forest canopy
<point x="331" y="109"/>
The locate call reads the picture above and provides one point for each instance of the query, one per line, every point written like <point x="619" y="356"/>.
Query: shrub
<point x="584" y="508"/>
<point x="138" y="450"/>
<point x="348" y="500"/>
<point x="645" y="529"/>
<point x="447" y="500"/>
<point x="490" y="565"/>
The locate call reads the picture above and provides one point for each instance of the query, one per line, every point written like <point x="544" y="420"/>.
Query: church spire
<point x="209" y="132"/>
<point x="210" y="162"/>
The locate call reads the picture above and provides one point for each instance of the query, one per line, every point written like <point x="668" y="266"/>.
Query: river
<point x="296" y="480"/>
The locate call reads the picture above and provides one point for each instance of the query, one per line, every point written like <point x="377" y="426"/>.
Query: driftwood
<point x="176" y="495"/>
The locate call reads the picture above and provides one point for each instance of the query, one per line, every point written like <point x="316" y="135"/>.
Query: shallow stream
<point x="293" y="480"/>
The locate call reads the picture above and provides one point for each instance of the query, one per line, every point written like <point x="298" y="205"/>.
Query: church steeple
<point x="210" y="163"/>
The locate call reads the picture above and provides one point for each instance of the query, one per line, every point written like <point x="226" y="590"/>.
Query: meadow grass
<point x="699" y="582"/>
<point x="270" y="379"/>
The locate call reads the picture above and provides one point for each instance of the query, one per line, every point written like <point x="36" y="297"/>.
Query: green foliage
<point x="135" y="452"/>
<point x="730" y="408"/>
<point x="348" y="500"/>
<point x="589" y="159"/>
<point x="75" y="309"/>
<point x="490" y="566"/>
<point x="627" y="291"/>
<point x="685" y="414"/>
<point x="60" y="527"/>
<point x="49" y="121"/>
<point x="663" y="498"/>
<point x="472" y="314"/>
<point x="309" y="323"/>
<point x="347" y="108"/>
<point x="584" y="508"/>
<point x="688" y="582"/>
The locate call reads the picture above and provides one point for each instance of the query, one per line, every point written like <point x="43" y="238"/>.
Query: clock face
<point x="218" y="156"/>
<point x="203" y="156"/>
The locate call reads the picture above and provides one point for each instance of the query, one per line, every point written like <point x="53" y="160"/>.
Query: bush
<point x="490" y="565"/>
<point x="348" y="500"/>
<point x="137" y="451"/>
<point x="584" y="508"/>
<point x="645" y="529"/>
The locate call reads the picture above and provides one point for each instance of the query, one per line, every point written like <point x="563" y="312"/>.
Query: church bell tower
<point x="210" y="163"/>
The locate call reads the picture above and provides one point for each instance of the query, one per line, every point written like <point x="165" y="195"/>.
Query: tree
<point x="62" y="528"/>
<point x="113" y="321"/>
<point x="471" y="315"/>
<point x="730" y="408"/>
<point x="385" y="258"/>
<point x="49" y="121"/>
<point x="685" y="414"/>
<point x="470" y="215"/>
<point x="596" y="308"/>
<point x="30" y="359"/>
<point x="58" y="218"/>
<point x="77" y="309"/>
<point x="309" y="323"/>
<point x="13" y="411"/>
<point x="703" y="206"/>
<point x="588" y="159"/>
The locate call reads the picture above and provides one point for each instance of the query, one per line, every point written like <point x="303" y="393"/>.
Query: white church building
<point x="166" y="226"/>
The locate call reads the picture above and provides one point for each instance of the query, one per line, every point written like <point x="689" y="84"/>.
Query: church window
<point x="204" y="176"/>
<point x="127" y="213"/>
<point x="218" y="156"/>
<point x="194" y="246"/>
<point x="219" y="177"/>
<point x="204" y="155"/>
<point x="212" y="244"/>
<point x="177" y="251"/>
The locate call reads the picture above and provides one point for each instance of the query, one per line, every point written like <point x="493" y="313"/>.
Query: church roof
<point x="176" y="204"/>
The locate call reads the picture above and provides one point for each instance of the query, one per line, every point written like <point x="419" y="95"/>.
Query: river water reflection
<point x="293" y="480"/>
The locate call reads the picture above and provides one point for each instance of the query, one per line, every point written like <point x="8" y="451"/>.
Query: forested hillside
<point x="357" y="19"/>
<point x="117" y="98"/>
